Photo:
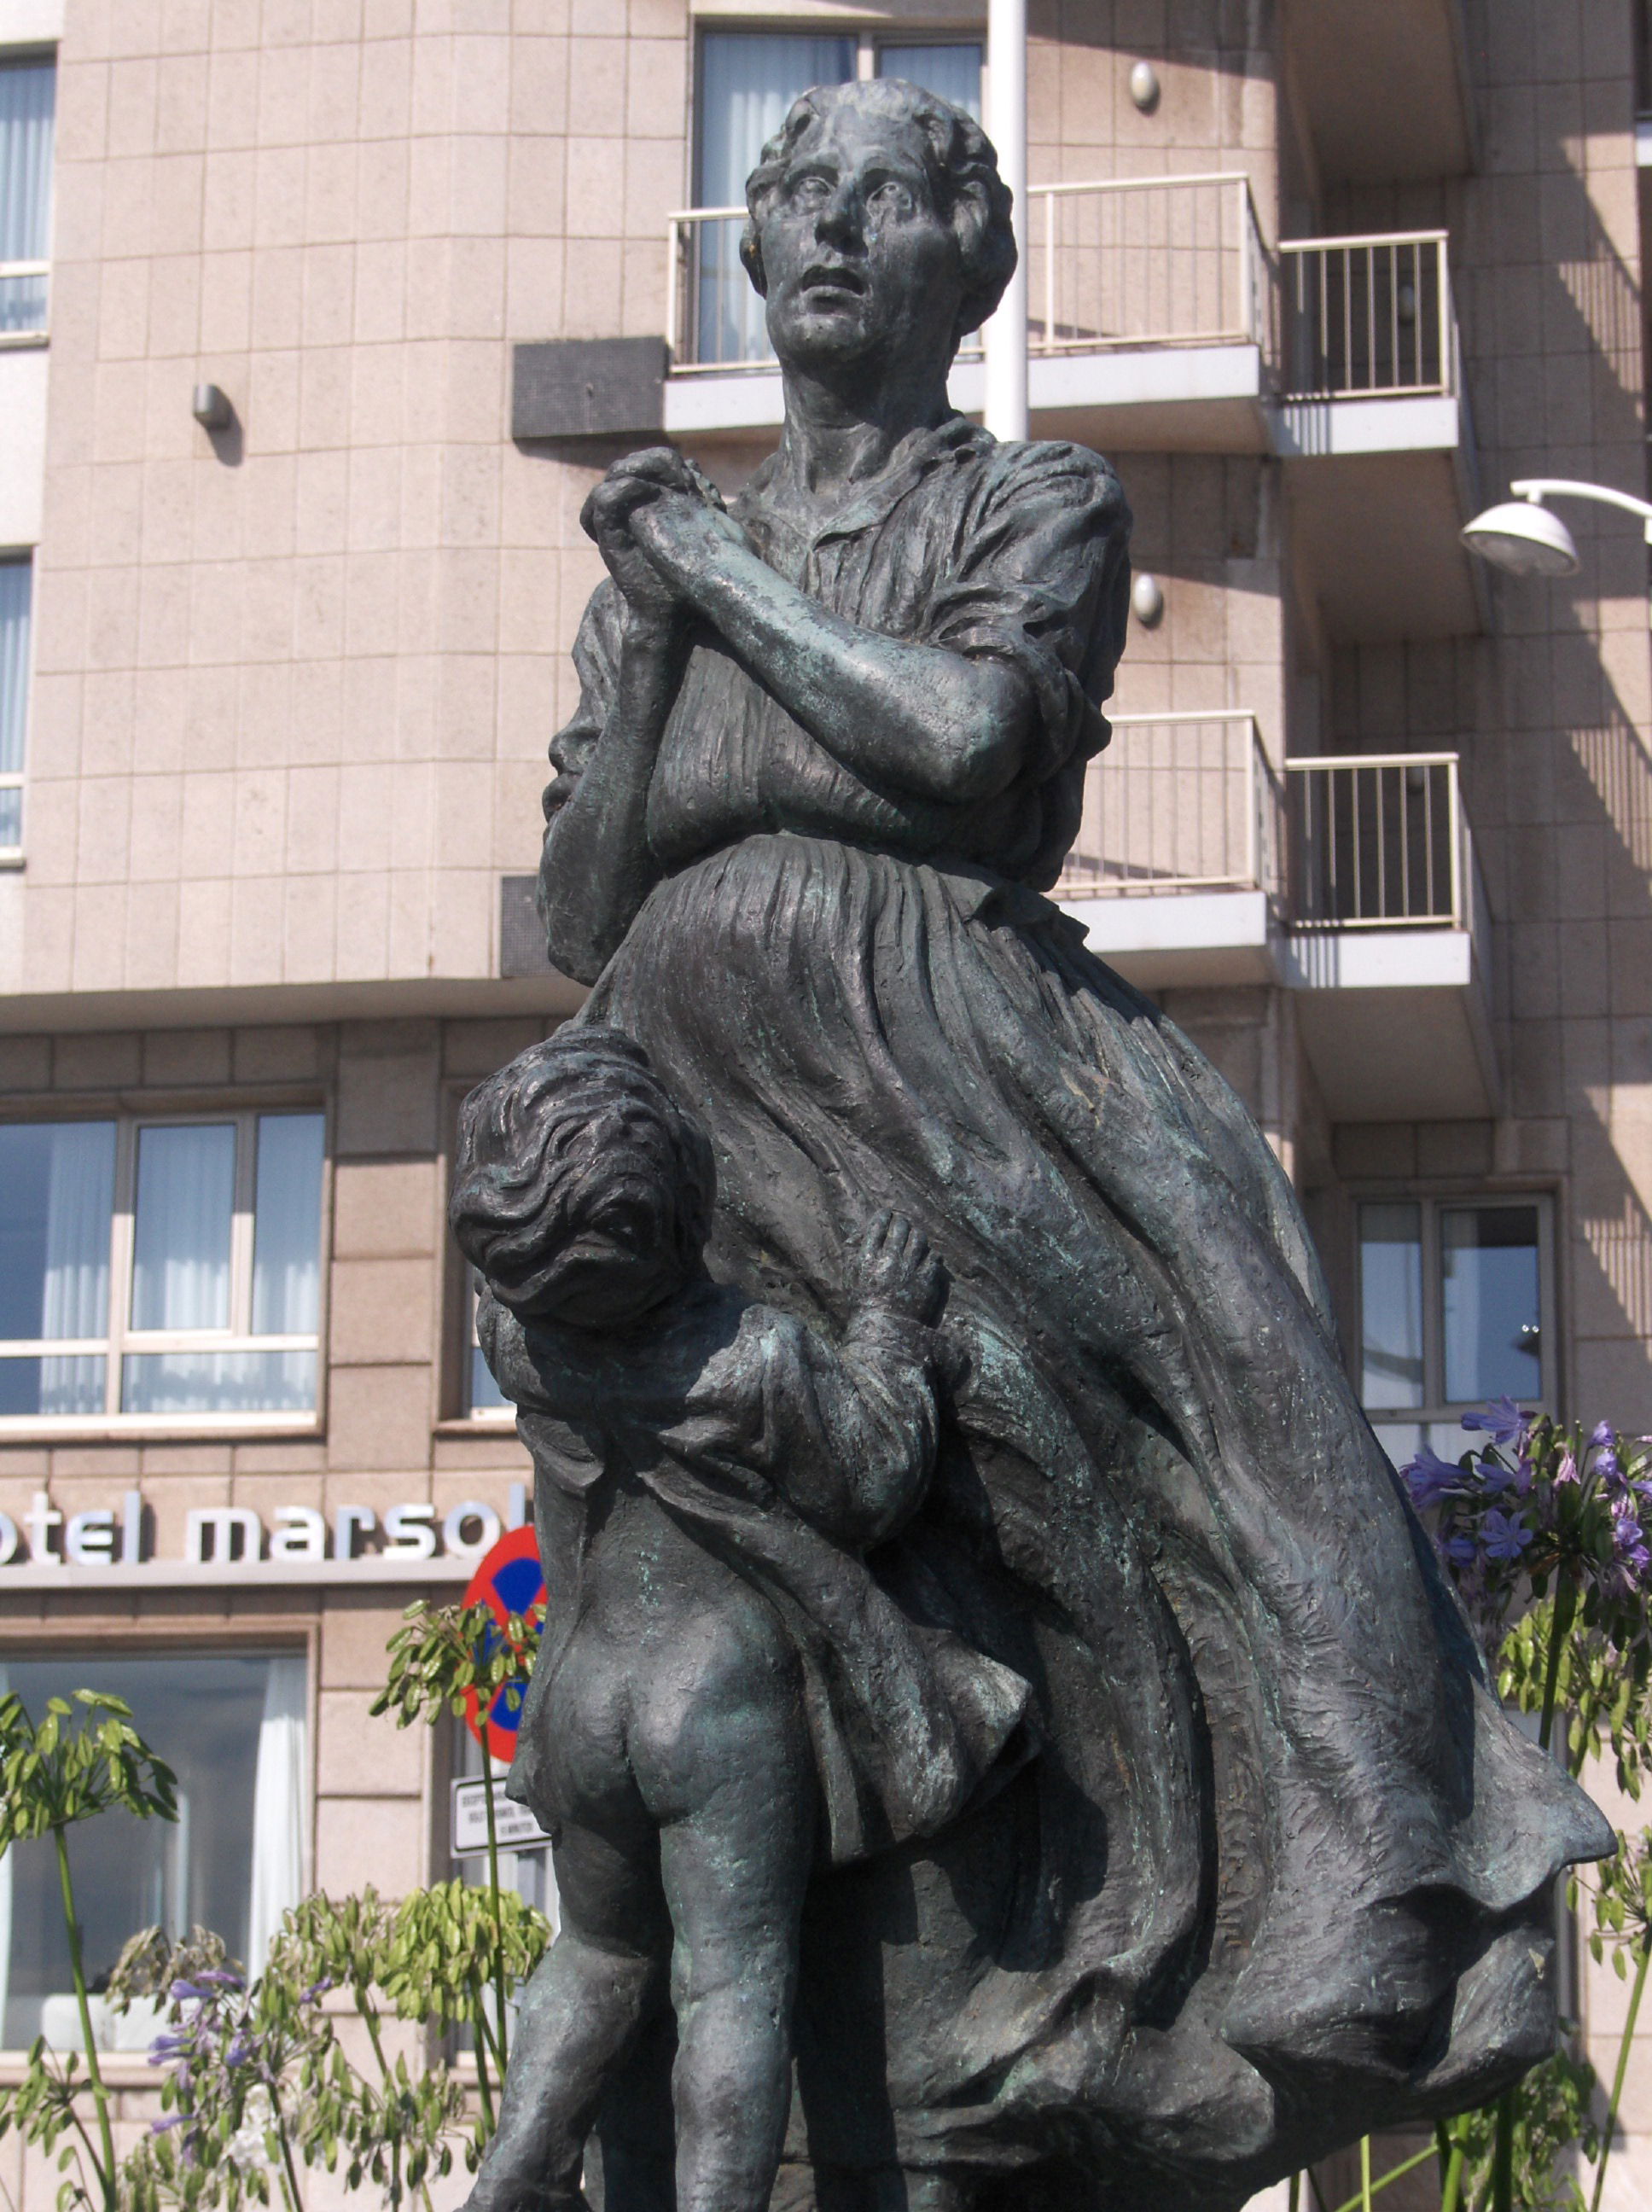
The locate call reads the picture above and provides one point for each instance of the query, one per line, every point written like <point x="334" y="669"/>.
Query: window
<point x="160" y="1267"/>
<point x="16" y="597"/>
<point x="1452" y="1295"/>
<point x="27" y="101"/>
<point x="748" y="81"/>
<point x="483" y="1395"/>
<point x="234" y="1728"/>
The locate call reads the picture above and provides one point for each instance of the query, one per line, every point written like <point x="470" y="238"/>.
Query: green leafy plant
<point x="458" y="1660"/>
<point x="84" y="1758"/>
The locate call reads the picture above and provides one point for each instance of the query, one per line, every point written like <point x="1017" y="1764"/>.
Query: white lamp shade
<point x="1524" y="538"/>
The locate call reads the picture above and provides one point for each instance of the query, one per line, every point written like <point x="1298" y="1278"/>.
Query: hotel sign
<point x="414" y="1542"/>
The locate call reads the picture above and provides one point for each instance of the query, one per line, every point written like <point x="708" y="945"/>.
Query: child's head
<point x="581" y="1192"/>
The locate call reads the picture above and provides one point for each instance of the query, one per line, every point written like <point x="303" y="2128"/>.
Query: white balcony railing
<point x="1180" y="802"/>
<point x="1368" y="317"/>
<point x="24" y="291"/>
<point x="1378" y="841"/>
<point x="1130" y="261"/>
<point x="1150" y="262"/>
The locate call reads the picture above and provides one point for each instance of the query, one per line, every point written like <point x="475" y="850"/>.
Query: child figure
<point x="724" y="1693"/>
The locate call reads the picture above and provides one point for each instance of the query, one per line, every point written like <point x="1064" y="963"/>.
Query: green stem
<point x="369" y="2013"/>
<point x="1368" y="2188"/>
<point x="483" y="2089"/>
<point x="290" y="2183"/>
<point x="1566" y="1610"/>
<point x="95" y="2074"/>
<point x="1293" y="2196"/>
<point x="1452" y="2187"/>
<point x="1637" y="1989"/>
<point x="499" y="1921"/>
<point x="1503" y="2155"/>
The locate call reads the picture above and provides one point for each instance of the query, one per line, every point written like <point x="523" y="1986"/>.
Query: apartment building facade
<point x="318" y="318"/>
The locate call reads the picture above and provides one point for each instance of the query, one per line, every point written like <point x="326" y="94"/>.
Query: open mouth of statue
<point x="831" y="281"/>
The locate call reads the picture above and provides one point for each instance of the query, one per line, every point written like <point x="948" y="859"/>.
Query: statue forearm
<point x="916" y="718"/>
<point x="596" y="870"/>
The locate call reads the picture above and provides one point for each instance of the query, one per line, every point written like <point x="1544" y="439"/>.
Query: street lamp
<point x="1522" y="536"/>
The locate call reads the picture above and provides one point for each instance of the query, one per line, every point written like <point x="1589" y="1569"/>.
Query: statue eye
<point x="807" y="191"/>
<point x="890" y="197"/>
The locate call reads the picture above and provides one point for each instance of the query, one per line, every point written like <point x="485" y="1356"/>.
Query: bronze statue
<point x="1262" y="1866"/>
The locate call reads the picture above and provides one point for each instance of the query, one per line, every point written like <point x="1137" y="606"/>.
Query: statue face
<point x="858" y="261"/>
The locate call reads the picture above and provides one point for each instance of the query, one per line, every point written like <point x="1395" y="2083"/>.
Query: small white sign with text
<point x="515" y="1828"/>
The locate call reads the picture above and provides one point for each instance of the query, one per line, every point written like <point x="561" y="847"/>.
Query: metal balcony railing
<point x="1368" y="316"/>
<point x="1146" y="262"/>
<point x="1180" y="802"/>
<point x="1143" y="261"/>
<point x="25" y="288"/>
<point x="1378" y="841"/>
<point x="1130" y="261"/>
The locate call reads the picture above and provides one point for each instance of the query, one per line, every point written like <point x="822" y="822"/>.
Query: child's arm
<point x="856" y="1423"/>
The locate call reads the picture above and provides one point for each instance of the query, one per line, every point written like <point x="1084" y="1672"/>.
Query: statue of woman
<point x="1279" y="1873"/>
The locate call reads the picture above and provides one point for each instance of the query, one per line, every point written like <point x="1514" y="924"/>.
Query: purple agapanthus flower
<point x="1567" y="1469"/>
<point x="1428" y="1478"/>
<point x="1502" y="1421"/>
<point x="1605" y="1446"/>
<point x="1461" y="1551"/>
<point x="1504" y="1535"/>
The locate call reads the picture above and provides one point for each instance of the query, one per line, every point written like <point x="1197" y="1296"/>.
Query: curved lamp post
<point x="1522" y="536"/>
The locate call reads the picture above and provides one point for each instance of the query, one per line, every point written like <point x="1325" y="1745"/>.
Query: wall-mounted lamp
<point x="211" y="408"/>
<point x="1523" y="537"/>
<point x="1144" y="87"/>
<point x="1147" y="598"/>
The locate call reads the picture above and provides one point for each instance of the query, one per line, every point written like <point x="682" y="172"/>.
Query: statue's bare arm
<point x="913" y="718"/>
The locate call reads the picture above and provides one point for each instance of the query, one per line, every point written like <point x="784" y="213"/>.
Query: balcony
<point x="1351" y="882"/>
<point x="1174" y="870"/>
<point x="1373" y="423"/>
<point x="1146" y="325"/>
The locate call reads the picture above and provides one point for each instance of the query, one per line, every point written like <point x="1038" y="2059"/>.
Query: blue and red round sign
<point x="509" y="1580"/>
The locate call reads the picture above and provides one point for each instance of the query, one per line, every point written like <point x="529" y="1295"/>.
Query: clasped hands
<point x="660" y="526"/>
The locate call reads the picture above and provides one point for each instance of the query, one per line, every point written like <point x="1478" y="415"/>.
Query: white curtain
<point x="951" y="71"/>
<point x="28" y="99"/>
<point x="280" y="1808"/>
<point x="80" y="1195"/>
<point x="185" y="1203"/>
<point x="287" y="1242"/>
<point x="748" y="80"/>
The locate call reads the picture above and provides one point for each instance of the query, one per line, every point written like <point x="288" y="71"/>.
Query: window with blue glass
<point x="747" y="81"/>
<point x="163" y="1267"/>
<point x="28" y="92"/>
<point x="1453" y="1295"/>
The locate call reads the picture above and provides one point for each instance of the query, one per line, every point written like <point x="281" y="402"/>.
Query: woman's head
<point x="876" y="211"/>
<point x="581" y="1192"/>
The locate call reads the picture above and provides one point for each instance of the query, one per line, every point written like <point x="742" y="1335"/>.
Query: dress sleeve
<point x="1040" y="579"/>
<point x="596" y="662"/>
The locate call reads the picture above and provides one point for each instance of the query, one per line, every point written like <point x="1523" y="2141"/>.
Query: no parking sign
<point x="509" y="1580"/>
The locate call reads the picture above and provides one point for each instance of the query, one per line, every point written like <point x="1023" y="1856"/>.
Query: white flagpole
<point x="1005" y="334"/>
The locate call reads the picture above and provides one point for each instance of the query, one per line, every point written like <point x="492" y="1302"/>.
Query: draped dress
<point x="1280" y="1871"/>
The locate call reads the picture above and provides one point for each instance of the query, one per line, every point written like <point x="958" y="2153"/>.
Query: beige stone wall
<point x="293" y="685"/>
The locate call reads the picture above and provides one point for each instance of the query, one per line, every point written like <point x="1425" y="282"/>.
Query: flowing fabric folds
<point x="1283" y="1837"/>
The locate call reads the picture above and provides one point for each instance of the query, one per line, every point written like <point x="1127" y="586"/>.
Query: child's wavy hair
<point x="573" y="1135"/>
<point x="964" y="177"/>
